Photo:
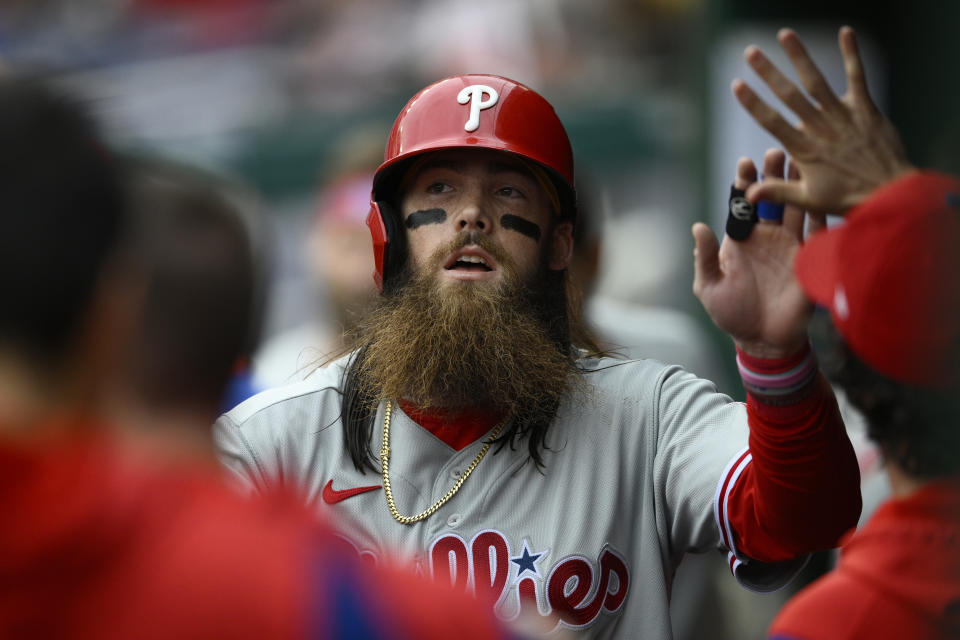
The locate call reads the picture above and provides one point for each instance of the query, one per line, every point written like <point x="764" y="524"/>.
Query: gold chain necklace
<point x="385" y="466"/>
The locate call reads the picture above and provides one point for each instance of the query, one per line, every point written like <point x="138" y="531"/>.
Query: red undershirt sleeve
<point x="797" y="487"/>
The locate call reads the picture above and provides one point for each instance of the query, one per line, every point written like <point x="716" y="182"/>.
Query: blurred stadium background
<point x="264" y="89"/>
<point x="279" y="94"/>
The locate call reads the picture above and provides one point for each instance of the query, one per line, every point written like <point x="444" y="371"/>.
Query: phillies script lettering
<point x="575" y="590"/>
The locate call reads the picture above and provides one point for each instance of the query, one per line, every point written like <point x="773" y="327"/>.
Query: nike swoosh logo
<point x="332" y="496"/>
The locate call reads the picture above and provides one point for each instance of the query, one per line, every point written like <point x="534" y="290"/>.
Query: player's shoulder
<point x="651" y="386"/>
<point x="321" y="387"/>
<point x="609" y="371"/>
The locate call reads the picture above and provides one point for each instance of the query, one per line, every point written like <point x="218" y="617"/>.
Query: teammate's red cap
<point x="890" y="276"/>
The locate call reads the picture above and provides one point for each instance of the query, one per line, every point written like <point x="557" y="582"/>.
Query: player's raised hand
<point x="748" y="287"/>
<point x="844" y="147"/>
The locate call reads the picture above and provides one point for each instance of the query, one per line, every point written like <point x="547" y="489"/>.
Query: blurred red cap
<point x="346" y="200"/>
<point x="890" y="276"/>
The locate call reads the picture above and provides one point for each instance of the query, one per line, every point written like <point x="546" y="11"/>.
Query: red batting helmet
<point x="463" y="112"/>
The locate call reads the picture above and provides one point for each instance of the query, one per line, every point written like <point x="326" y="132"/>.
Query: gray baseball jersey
<point x="634" y="472"/>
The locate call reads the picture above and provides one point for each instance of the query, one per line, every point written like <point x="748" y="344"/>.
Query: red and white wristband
<point x="781" y="380"/>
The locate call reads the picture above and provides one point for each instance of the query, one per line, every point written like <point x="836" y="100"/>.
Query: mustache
<point x="476" y="238"/>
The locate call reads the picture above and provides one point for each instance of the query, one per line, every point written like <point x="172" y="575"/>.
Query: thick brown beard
<point x="467" y="344"/>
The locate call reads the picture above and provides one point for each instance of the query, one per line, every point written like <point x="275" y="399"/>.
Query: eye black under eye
<point x="527" y="228"/>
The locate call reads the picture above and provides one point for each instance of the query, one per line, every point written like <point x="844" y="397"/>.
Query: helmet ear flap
<point x="389" y="242"/>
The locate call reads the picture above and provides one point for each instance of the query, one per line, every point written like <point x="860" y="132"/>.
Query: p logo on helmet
<point x="474" y="95"/>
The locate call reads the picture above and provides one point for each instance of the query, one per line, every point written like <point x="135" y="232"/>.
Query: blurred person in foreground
<point x="103" y="539"/>
<point x="889" y="277"/>
<point x="193" y="244"/>
<point x="509" y="457"/>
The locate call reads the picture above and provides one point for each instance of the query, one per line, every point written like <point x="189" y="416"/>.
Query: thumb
<point x="706" y="258"/>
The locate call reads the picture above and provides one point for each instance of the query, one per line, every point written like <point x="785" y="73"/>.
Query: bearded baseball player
<point x="474" y="429"/>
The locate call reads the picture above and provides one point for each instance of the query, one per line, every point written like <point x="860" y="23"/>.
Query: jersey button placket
<point x="452" y="471"/>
